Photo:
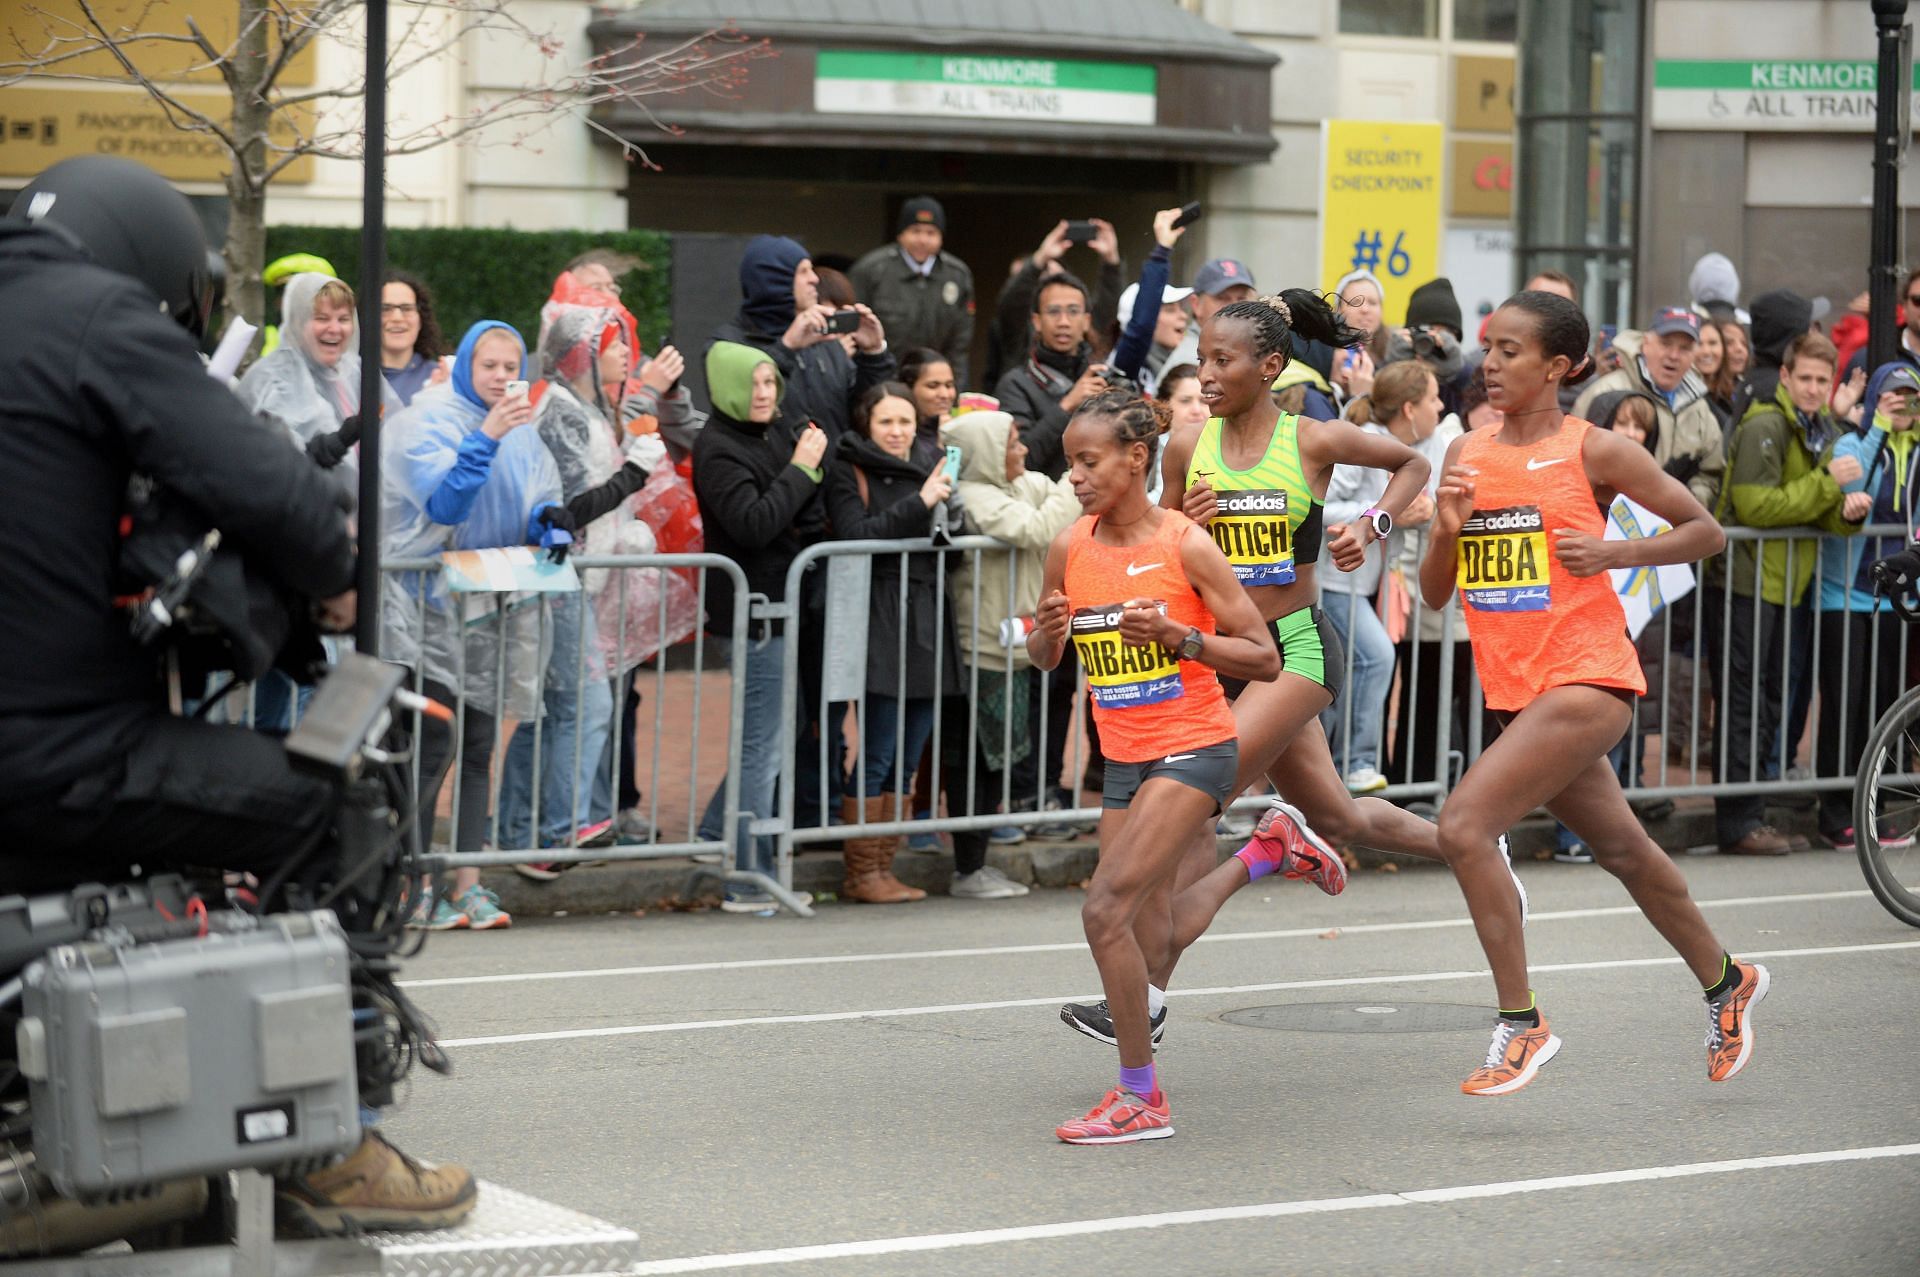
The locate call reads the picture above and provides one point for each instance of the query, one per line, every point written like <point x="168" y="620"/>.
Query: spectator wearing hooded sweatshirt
<point x="1714" y="286"/>
<point x="781" y="314"/>
<point x="1860" y="636"/>
<point x="461" y="473"/>
<point x="999" y="498"/>
<point x="923" y="295"/>
<point x="1781" y="473"/>
<point x="1689" y="441"/>
<point x="582" y="350"/>
<point x="759" y="490"/>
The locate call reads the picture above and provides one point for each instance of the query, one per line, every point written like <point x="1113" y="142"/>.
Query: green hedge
<point x="494" y="274"/>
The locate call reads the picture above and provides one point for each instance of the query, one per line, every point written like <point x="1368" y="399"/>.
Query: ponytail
<point x="1276" y="319"/>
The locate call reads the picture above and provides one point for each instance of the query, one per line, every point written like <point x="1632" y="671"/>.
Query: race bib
<point x="1119" y="675"/>
<point x="1503" y="560"/>
<point x="1251" y="529"/>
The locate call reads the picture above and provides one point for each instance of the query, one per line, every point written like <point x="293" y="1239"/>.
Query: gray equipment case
<point x="149" y="1062"/>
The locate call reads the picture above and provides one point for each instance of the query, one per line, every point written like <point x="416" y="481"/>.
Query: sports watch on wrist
<point x="1189" y="649"/>
<point x="1382" y="523"/>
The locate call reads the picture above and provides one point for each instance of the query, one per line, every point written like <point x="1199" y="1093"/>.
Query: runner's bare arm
<point x="1240" y="646"/>
<point x="1053" y="618"/>
<point x="1331" y="443"/>
<point x="1174" y="458"/>
<point x="1625" y="467"/>
<point x="1453" y="502"/>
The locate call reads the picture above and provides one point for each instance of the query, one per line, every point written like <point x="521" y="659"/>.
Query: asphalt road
<point x="877" y="1087"/>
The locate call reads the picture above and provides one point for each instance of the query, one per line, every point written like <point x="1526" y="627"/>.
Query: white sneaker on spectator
<point x="1006" y="835"/>
<point x="1365" y="780"/>
<point x="1237" y="824"/>
<point x="985" y="883"/>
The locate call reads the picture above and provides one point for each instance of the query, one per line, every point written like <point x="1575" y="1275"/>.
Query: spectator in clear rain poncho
<point x="461" y="473"/>
<point x="309" y="386"/>
<point x="582" y="349"/>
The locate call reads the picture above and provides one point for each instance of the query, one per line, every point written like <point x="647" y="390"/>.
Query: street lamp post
<point x="1891" y="128"/>
<point x="373" y="254"/>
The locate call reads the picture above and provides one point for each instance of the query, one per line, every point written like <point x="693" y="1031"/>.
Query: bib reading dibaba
<point x="1120" y="675"/>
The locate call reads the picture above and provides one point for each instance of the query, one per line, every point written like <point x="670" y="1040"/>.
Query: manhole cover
<point x="1364" y="1017"/>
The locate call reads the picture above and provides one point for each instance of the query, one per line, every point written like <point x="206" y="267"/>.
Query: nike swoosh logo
<point x="1176" y="758"/>
<point x="1135" y="569"/>
<point x="1533" y="464"/>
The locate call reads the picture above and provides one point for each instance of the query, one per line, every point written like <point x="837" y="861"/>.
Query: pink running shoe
<point x="1121" y="1117"/>
<point x="1284" y="840"/>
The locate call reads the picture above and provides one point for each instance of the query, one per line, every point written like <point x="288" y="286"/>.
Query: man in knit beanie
<point x="922" y="294"/>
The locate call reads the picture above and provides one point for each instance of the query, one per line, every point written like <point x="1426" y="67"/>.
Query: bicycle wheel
<point x="1886" y="809"/>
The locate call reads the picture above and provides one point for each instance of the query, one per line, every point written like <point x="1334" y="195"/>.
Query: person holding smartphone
<point x="881" y="488"/>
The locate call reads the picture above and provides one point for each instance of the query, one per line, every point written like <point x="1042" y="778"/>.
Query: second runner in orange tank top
<point x="1534" y="625"/>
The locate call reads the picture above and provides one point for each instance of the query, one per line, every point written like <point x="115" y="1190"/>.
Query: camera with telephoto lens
<point x="1116" y="380"/>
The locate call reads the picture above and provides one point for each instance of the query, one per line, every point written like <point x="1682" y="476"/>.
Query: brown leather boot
<point x="869" y="878"/>
<point x="374" y="1187"/>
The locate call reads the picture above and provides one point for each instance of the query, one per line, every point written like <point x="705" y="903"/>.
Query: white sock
<point x="1156" y="1000"/>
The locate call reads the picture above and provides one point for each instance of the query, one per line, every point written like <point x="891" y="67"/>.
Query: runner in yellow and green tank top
<point x="1255" y="478"/>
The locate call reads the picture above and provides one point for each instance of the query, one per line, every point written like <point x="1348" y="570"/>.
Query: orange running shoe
<point x="1730" y="1022"/>
<point x="1284" y="840"/>
<point x="1518" y="1051"/>
<point x="1121" y="1118"/>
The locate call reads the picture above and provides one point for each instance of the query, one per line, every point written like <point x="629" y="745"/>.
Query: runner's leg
<point x="1557" y="738"/>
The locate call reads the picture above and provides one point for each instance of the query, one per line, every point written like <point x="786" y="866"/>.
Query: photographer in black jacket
<point x="104" y="286"/>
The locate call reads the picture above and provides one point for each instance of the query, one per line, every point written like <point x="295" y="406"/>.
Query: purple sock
<point x="1258" y="866"/>
<point x="1140" y="1081"/>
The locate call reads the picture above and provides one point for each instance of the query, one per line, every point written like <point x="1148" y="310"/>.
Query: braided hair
<point x="1134" y="419"/>
<point x="1278" y="318"/>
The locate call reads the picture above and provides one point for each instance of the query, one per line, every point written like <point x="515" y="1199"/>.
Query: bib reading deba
<point x="1503" y="560"/>
<point x="1119" y="675"/>
<point x="1251" y="529"/>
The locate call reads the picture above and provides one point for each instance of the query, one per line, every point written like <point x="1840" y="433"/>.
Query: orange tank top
<point x="1147" y="702"/>
<point x="1534" y="625"/>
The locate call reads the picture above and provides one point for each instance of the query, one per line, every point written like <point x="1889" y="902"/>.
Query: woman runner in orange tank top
<point x="1153" y="609"/>
<point x="1518" y="531"/>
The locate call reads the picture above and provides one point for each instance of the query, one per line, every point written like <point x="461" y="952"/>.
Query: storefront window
<point x="1493" y="20"/>
<point x="1578" y="171"/>
<point x="1417" y="19"/>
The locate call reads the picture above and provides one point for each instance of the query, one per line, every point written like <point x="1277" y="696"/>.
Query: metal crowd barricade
<point x="530" y="667"/>
<point x="815" y="705"/>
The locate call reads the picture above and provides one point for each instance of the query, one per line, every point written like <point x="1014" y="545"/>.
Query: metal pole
<point x="1890" y="125"/>
<point x="373" y="260"/>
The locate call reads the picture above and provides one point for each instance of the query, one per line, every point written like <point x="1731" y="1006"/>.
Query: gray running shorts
<point x="1210" y="769"/>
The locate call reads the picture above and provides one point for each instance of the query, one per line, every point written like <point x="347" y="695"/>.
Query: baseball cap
<point x="1675" y="319"/>
<point x="1167" y="298"/>
<point x="1902" y="377"/>
<point x="1220" y="274"/>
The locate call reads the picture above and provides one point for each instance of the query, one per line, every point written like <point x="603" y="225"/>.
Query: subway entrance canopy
<point x="1122" y="79"/>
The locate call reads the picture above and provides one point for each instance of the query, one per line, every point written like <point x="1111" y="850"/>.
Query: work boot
<point x="869" y="860"/>
<point x="375" y="1187"/>
<point x="1764" y="840"/>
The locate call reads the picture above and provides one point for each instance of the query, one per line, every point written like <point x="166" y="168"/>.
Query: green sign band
<point x="986" y="71"/>
<point x="1770" y="76"/>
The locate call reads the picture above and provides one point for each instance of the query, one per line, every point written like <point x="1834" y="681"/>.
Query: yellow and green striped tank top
<point x="1268" y="519"/>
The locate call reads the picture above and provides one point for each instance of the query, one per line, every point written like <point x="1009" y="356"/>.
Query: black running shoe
<point x="1093" y="1019"/>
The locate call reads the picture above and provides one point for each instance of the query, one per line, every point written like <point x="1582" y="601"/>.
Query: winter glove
<point x="329" y="450"/>
<point x="560" y="527"/>
<point x="1683" y="468"/>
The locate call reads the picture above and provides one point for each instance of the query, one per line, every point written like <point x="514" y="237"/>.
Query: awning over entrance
<point x="1127" y="79"/>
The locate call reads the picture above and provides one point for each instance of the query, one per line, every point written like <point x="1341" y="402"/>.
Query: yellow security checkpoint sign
<point x="1380" y="205"/>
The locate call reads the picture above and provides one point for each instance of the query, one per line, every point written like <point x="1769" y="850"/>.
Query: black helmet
<point x="129" y="220"/>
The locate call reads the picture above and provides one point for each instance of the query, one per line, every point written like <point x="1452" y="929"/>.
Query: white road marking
<point x="1341" y="982"/>
<point x="1224" y="937"/>
<point x="1263" y="1210"/>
